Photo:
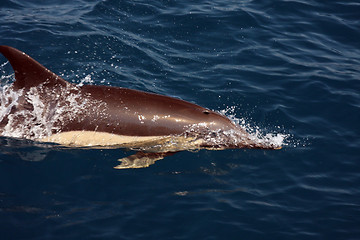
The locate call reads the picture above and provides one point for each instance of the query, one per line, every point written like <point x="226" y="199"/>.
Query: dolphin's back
<point x="137" y="113"/>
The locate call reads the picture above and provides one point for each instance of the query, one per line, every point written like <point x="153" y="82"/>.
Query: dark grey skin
<point x="121" y="111"/>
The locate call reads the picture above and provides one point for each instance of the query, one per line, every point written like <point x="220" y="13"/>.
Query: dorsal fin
<point x="28" y="72"/>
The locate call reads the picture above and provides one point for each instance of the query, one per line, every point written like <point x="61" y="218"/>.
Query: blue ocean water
<point x="288" y="66"/>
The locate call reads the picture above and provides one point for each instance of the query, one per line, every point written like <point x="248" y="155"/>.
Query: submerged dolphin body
<point x="50" y="109"/>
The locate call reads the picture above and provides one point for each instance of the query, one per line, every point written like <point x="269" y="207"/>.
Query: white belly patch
<point x="91" y="138"/>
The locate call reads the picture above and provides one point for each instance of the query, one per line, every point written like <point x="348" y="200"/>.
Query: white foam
<point x="8" y="100"/>
<point x="85" y="80"/>
<point x="258" y="135"/>
<point x="38" y="117"/>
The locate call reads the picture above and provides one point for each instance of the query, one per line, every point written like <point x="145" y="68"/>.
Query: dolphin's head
<point x="218" y="132"/>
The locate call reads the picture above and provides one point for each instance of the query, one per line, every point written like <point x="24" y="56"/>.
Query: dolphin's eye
<point x="206" y="112"/>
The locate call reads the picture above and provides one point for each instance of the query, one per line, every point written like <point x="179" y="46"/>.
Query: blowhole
<point x="206" y="112"/>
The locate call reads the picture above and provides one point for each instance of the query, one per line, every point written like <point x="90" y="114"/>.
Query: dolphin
<point x="47" y="108"/>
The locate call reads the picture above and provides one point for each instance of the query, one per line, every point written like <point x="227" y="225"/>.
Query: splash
<point x="86" y="80"/>
<point x="256" y="134"/>
<point x="8" y="100"/>
<point x="35" y="118"/>
<point x="5" y="78"/>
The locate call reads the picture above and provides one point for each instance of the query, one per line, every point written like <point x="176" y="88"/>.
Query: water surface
<point x="285" y="67"/>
